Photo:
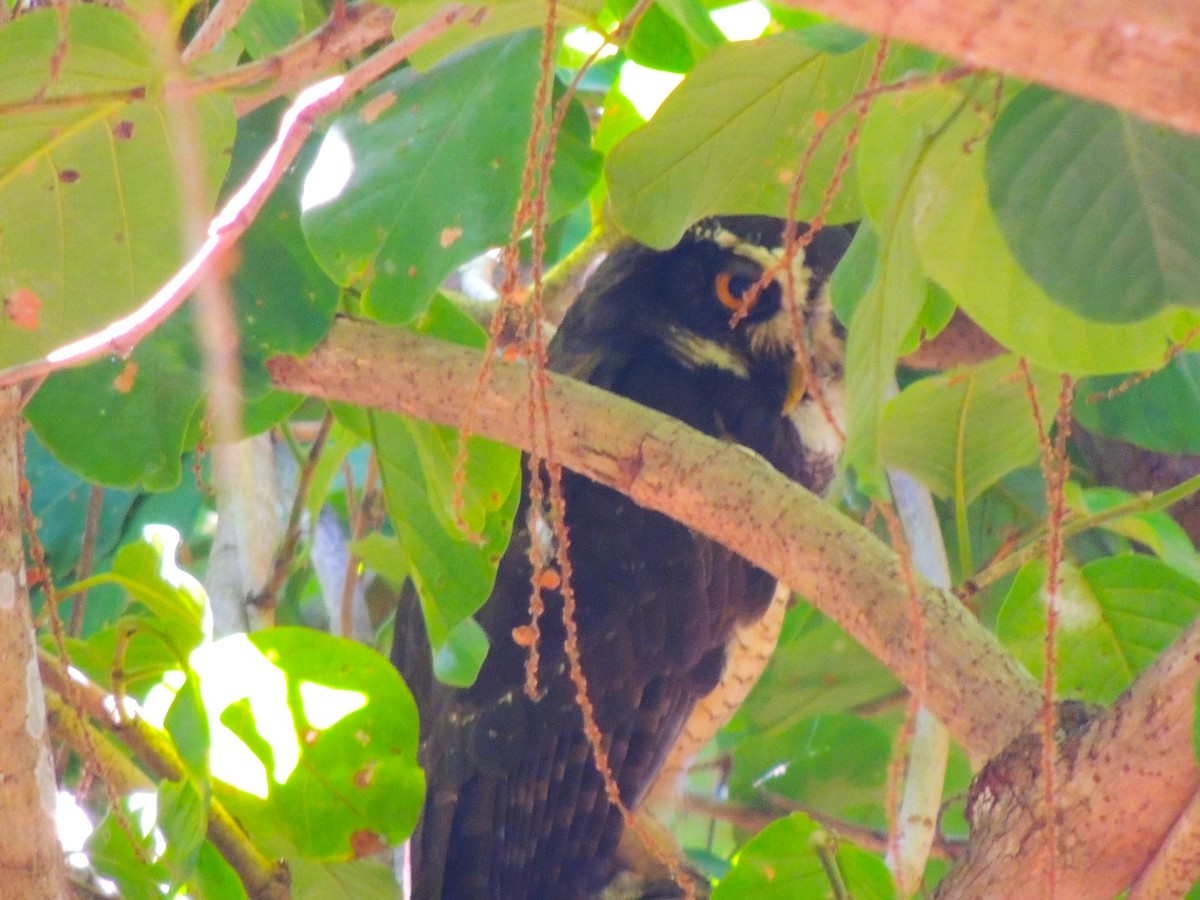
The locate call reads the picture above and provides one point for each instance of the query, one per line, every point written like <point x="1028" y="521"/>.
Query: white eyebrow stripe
<point x="764" y="257"/>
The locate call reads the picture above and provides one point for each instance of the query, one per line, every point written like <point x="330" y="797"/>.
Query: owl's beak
<point x="797" y="386"/>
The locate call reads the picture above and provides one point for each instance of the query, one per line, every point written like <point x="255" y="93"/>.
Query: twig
<point x="268" y="596"/>
<point x="359" y="525"/>
<point x="755" y="818"/>
<point x="221" y="19"/>
<point x="87" y="556"/>
<point x="1077" y="524"/>
<point x="364" y="24"/>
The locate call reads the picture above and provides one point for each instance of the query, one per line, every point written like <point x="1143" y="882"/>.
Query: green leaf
<point x="671" y="36"/>
<point x="341" y="729"/>
<point x="1102" y="209"/>
<point x="90" y="196"/>
<point x="784" y="862"/>
<point x="1147" y="413"/>
<point x="360" y="879"/>
<point x="113" y="855"/>
<point x="124" y="422"/>
<point x="183" y="819"/>
<point x="283" y="300"/>
<point x="1116" y="615"/>
<point x="60" y="504"/>
<point x="436" y="162"/>
<point x="835" y="762"/>
<point x="729" y="138"/>
<point x="962" y="248"/>
<point x="966" y="429"/>
<point x="187" y="724"/>
<point x="169" y="622"/>
<point x="214" y="878"/>
<point x="891" y="182"/>
<point x="147" y="569"/>
<point x="453" y="574"/>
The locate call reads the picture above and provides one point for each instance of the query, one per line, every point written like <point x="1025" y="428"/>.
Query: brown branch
<point x="1137" y="57"/>
<point x="31" y="861"/>
<point x="221" y="19"/>
<point x="1123" y="781"/>
<point x="1175" y="866"/>
<point x="362" y="25"/>
<point x="755" y="818"/>
<point x="286" y="554"/>
<point x="975" y="687"/>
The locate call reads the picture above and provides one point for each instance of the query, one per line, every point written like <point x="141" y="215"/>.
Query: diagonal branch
<point x="1137" y="57"/>
<point x="1124" y="782"/>
<point x="720" y="489"/>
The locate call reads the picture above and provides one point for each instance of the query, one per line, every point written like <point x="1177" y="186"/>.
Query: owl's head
<point x="706" y="303"/>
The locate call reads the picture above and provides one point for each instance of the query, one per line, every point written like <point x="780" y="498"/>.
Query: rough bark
<point x="1123" y="782"/>
<point x="722" y="490"/>
<point x="1138" y="57"/>
<point x="31" y="859"/>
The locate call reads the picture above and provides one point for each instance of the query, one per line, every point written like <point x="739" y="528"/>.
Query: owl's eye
<point x="732" y="290"/>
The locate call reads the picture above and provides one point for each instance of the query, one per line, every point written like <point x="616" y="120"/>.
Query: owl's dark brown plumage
<point x="516" y="808"/>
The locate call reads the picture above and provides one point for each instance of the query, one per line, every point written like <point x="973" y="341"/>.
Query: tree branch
<point x="976" y="688"/>
<point x="1123" y="782"/>
<point x="1137" y="57"/>
<point x="31" y="863"/>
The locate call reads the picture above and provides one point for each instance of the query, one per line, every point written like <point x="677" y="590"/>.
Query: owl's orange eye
<point x="736" y="292"/>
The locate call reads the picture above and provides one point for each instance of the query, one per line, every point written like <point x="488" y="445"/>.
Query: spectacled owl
<point x="516" y="808"/>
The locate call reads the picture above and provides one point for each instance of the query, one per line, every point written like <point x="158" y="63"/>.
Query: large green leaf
<point x="435" y="167"/>
<point x="963" y="249"/>
<point x="283" y="300"/>
<point x="962" y="431"/>
<point x="453" y="574"/>
<point x="1148" y="412"/>
<point x="891" y="181"/>
<point x="784" y="862"/>
<point x="91" y="209"/>
<point x="729" y="138"/>
<point x="1102" y="209"/>
<point x="125" y="422"/>
<point x="336" y="731"/>
<point x="1115" y="615"/>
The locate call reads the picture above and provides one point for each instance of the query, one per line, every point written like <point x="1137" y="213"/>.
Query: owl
<point x="516" y="808"/>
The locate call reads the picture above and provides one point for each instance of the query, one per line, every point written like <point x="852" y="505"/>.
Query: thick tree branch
<point x="1138" y="57"/>
<point x="720" y="489"/>
<point x="1123" y="782"/>
<point x="31" y="863"/>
